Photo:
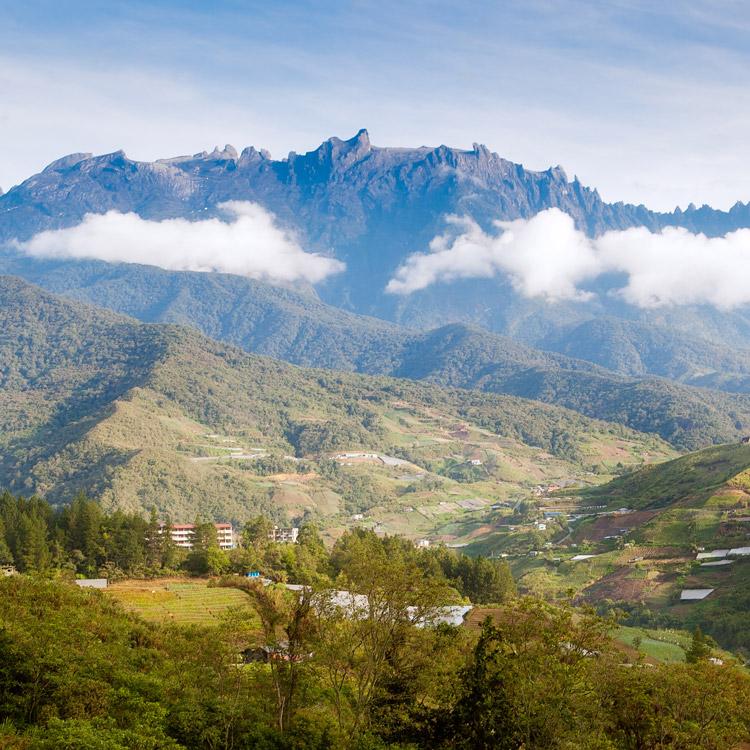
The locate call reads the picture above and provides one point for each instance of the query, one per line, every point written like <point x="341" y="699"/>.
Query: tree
<point x="170" y="553"/>
<point x="309" y="556"/>
<point x="83" y="523"/>
<point x="699" y="649"/>
<point x="206" y="557"/>
<point x="364" y="635"/>
<point x="670" y="707"/>
<point x="6" y="556"/>
<point x="34" y="553"/>
<point x="286" y="625"/>
<point x="155" y="536"/>
<point x="256" y="531"/>
<point x="482" y="580"/>
<point x="528" y="684"/>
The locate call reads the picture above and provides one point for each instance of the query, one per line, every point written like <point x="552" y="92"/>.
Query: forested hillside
<point x="297" y="327"/>
<point x="140" y="415"/>
<point x="293" y="670"/>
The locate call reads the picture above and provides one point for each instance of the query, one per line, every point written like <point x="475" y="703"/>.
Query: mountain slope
<point x="688" y="417"/>
<point x="687" y="481"/>
<point x="633" y="348"/>
<point x="143" y="415"/>
<point x="297" y="327"/>
<point x="370" y="207"/>
<point x="697" y="502"/>
<point x="280" y="322"/>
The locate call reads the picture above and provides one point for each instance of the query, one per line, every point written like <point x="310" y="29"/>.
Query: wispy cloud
<point x="249" y="244"/>
<point x="546" y="256"/>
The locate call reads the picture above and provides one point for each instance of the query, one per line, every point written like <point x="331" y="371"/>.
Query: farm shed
<point x="694" y="595"/>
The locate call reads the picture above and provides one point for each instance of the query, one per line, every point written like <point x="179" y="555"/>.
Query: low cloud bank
<point x="249" y="244"/>
<point x="546" y="256"/>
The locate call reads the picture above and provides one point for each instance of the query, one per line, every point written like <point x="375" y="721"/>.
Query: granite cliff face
<point x="371" y="207"/>
<point x="334" y="195"/>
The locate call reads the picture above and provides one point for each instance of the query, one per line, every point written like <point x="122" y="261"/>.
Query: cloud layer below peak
<point x="249" y="244"/>
<point x="546" y="256"/>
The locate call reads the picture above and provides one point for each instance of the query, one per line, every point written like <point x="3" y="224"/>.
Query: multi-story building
<point x="225" y="535"/>
<point x="183" y="534"/>
<point x="284" y="535"/>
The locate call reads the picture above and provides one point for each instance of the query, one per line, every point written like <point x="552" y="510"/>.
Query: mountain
<point x="339" y="188"/>
<point x="141" y="415"/>
<point x="299" y="328"/>
<point x="635" y="348"/>
<point x="371" y="207"/>
<point x="284" y="323"/>
<point x="688" y="481"/>
<point x="687" y="417"/>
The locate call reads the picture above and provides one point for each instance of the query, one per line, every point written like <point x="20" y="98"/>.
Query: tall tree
<point x="33" y="546"/>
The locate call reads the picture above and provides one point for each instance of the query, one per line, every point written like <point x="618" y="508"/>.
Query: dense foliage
<point x="81" y="540"/>
<point x="76" y="672"/>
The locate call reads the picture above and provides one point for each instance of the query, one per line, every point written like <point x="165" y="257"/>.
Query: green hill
<point x="633" y="543"/>
<point x="141" y="415"/>
<point x="294" y="325"/>
<point x="688" y="481"/>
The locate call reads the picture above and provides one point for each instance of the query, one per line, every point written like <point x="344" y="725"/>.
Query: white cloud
<point x="675" y="267"/>
<point x="546" y="256"/>
<point x="251" y="244"/>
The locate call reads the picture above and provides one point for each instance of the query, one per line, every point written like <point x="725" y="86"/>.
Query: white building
<point x="694" y="595"/>
<point x="91" y="583"/>
<point x="284" y="535"/>
<point x="183" y="535"/>
<point x="225" y="535"/>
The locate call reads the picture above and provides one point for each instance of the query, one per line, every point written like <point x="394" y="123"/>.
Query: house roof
<point x="694" y="594"/>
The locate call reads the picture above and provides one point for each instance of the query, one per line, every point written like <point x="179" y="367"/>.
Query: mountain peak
<point x="335" y="154"/>
<point x="228" y="153"/>
<point x="66" y="162"/>
<point x="357" y="146"/>
<point x="557" y="173"/>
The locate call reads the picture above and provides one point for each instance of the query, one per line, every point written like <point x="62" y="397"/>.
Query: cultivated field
<point x="183" y="601"/>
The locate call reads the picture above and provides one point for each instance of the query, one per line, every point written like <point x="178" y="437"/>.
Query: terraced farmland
<point x="182" y="601"/>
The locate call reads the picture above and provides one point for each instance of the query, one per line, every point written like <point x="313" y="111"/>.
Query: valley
<point x="374" y="439"/>
<point x="198" y="428"/>
<point x="162" y="417"/>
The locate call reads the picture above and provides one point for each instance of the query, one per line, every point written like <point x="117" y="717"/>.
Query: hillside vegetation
<point x="294" y="670"/>
<point x="297" y="327"/>
<point x="633" y="544"/>
<point x="141" y="415"/>
<point x="688" y="481"/>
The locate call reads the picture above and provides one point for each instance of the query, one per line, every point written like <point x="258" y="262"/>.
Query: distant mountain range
<point x="371" y="207"/>
<point x="299" y="328"/>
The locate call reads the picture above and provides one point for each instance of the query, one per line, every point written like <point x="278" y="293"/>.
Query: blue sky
<point x="647" y="104"/>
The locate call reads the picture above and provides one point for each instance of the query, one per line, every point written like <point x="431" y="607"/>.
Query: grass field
<point x="182" y="601"/>
<point x="660" y="645"/>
